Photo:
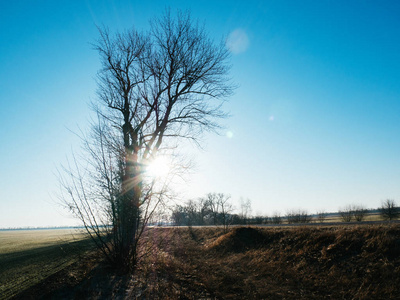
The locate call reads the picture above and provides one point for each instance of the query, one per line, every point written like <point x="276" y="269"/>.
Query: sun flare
<point x="159" y="167"/>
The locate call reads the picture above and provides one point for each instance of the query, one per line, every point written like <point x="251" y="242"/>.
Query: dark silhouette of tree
<point x="192" y="213"/>
<point x="152" y="90"/>
<point x="204" y="211"/>
<point x="346" y="213"/>
<point x="259" y="219"/>
<point x="389" y="210"/>
<point x="321" y="216"/>
<point x="179" y="215"/>
<point x="213" y="204"/>
<point x="359" y="212"/>
<point x="225" y="210"/>
<point x="298" y="216"/>
<point x="276" y="218"/>
<point x="213" y="209"/>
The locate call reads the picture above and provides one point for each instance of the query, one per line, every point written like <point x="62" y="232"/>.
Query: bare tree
<point x="259" y="219"/>
<point x="389" y="210"/>
<point x="321" y="216"/>
<point x="160" y="216"/>
<point x="204" y="210"/>
<point x="213" y="204"/>
<point x="192" y="213"/>
<point x="179" y="215"/>
<point x="245" y="210"/>
<point x="226" y="209"/>
<point x="214" y="209"/>
<point x="276" y="218"/>
<point x="92" y="191"/>
<point x="290" y="217"/>
<point x="346" y="213"/>
<point x="152" y="89"/>
<point x="359" y="212"/>
<point x="298" y="216"/>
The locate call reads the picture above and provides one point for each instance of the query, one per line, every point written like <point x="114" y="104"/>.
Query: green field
<point x="29" y="256"/>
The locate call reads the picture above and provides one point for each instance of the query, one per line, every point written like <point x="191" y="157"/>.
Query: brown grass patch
<point x="358" y="262"/>
<point x="239" y="239"/>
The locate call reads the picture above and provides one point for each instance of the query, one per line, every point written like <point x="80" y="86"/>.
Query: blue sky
<point x="315" y="121"/>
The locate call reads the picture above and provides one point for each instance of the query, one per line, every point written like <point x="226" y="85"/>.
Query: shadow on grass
<point x="22" y="258"/>
<point x="21" y="270"/>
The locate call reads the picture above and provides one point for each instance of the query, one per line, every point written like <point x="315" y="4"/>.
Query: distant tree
<point x="226" y="209"/>
<point x="178" y="215"/>
<point x="290" y="218"/>
<point x="245" y="210"/>
<point x="159" y="216"/>
<point x="214" y="209"/>
<point x="259" y="219"/>
<point x="321" y="216"/>
<point x="298" y="216"/>
<point x="204" y="210"/>
<point x="346" y="213"/>
<point x="305" y="217"/>
<point x="359" y="212"/>
<point x="276" y="218"/>
<point x="192" y="213"/>
<point x="235" y="219"/>
<point x="389" y="210"/>
<point x="213" y="205"/>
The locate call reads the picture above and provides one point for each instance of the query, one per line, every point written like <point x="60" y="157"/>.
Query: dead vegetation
<point x="343" y="262"/>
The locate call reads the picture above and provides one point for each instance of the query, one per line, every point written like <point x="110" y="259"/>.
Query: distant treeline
<point x="216" y="209"/>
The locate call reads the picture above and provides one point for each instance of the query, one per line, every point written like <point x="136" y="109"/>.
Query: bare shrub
<point x="359" y="212"/>
<point x="346" y="213"/>
<point x="321" y="216"/>
<point x="298" y="216"/>
<point x="276" y="218"/>
<point x="389" y="210"/>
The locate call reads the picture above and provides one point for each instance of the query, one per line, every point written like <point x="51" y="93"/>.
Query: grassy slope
<point x="310" y="263"/>
<point x="350" y="262"/>
<point x="27" y="257"/>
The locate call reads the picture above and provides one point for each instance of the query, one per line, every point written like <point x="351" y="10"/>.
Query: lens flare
<point x="237" y="41"/>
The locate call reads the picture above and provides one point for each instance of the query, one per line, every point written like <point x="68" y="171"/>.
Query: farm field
<point x="369" y="217"/>
<point x="29" y="256"/>
<point x="335" y="219"/>
<point x="307" y="262"/>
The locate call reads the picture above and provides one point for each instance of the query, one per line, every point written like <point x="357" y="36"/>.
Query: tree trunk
<point x="130" y="212"/>
<point x="131" y="194"/>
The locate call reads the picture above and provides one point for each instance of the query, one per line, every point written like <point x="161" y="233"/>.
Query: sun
<point x="158" y="167"/>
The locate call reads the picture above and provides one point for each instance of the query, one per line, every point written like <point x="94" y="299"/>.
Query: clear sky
<point x="315" y="121"/>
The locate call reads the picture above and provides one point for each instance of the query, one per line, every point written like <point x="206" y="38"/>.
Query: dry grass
<point x="359" y="262"/>
<point x="343" y="262"/>
<point x="351" y="263"/>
